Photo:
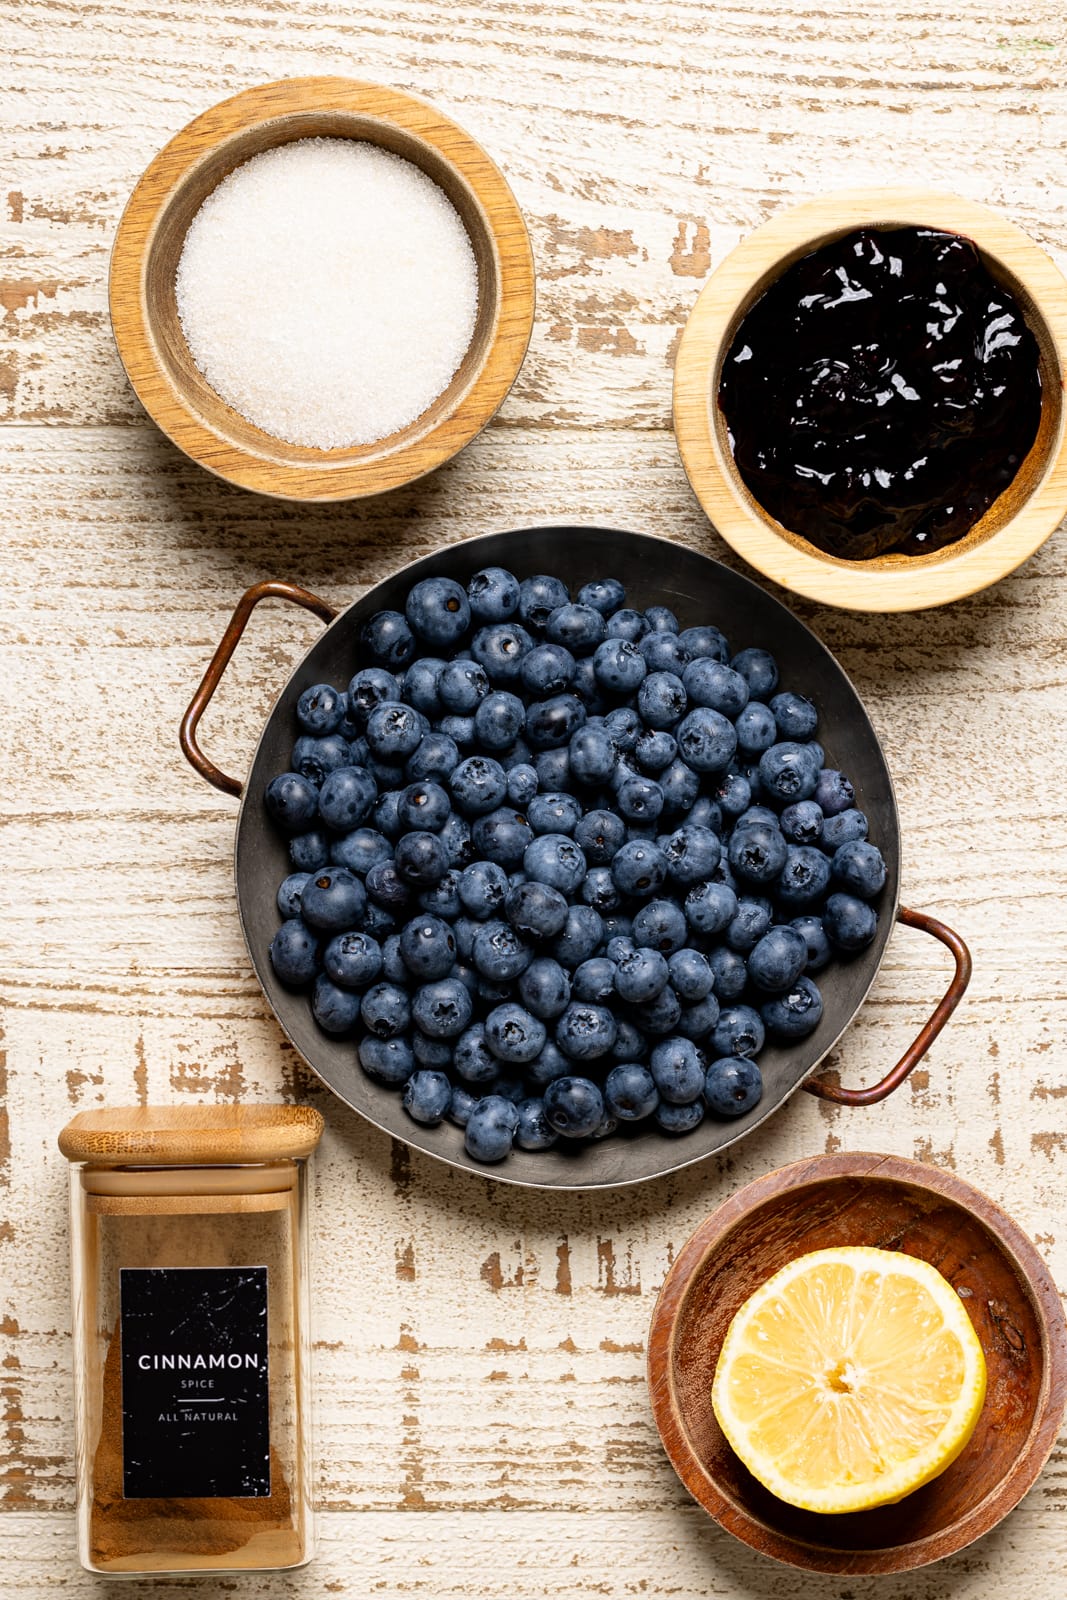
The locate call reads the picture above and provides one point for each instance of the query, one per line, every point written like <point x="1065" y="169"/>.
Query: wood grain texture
<point x="480" y="1351"/>
<point x="1017" y="522"/>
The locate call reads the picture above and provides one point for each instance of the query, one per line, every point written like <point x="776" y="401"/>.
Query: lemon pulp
<point x="849" y="1379"/>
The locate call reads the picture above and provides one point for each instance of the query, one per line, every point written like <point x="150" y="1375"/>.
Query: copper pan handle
<point x="930" y="1029"/>
<point x="269" y="590"/>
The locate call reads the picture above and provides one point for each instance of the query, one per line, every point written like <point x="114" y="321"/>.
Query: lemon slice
<point x="850" y="1378"/>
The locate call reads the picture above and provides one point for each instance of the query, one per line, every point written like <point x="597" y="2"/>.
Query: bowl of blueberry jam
<point x="868" y="399"/>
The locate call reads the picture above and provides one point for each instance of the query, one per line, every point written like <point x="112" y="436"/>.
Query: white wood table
<point x="483" y="1421"/>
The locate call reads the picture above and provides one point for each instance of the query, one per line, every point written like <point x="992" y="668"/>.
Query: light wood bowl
<point x="1017" y="523"/>
<point x="896" y="1205"/>
<point x="144" y="314"/>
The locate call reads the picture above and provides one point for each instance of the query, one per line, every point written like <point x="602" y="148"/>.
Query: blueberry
<point x="320" y="709"/>
<point x="705" y="813"/>
<point x="581" y="936"/>
<point x="733" y="1085"/>
<point x="289" y="891"/>
<point x="630" y="1092"/>
<point x="292" y="801"/>
<point x="729" y="973"/>
<point x="499" y="720"/>
<point x="436" y="756"/>
<point x="479" y="785"/>
<point x="502" y="836"/>
<point x="593" y="755"/>
<point x="708" y="683"/>
<point x="578" y="628"/>
<point x="472" y="1057"/>
<point x="493" y="594"/>
<point x="796" y="1013"/>
<point x="846" y="827"/>
<point x="456" y="838"/>
<point x="315" y="758"/>
<point x="689" y="974"/>
<point x="710" y="907"/>
<point x="705" y="640"/>
<point x="548" y="669"/>
<point x="759" y="670"/>
<point x="424" y="805"/>
<point x="386" y="775"/>
<point x="551" y="1063"/>
<point x="600" y="890"/>
<point x="421" y="859"/>
<point x="555" y="859"/>
<point x="513" y="1034"/>
<point x="420" y="685"/>
<point x="533" y="1130"/>
<point x="626" y="623"/>
<point x="833" y="792"/>
<point x="536" y="910"/>
<point x="661" y="925"/>
<point x="639" y="867"/>
<point x="805" y="877"/>
<point x="594" y="980"/>
<point x="599" y="835"/>
<point x="309" y="851"/>
<point x="661" y="1015"/>
<point x="501" y="650"/>
<point x="630" y="1043"/>
<point x="757" y="851"/>
<point x="369" y="689"/>
<point x="459" y="729"/>
<point x="335" y="1010"/>
<point x="490" y="1129"/>
<point x="378" y="923"/>
<point x="353" y="960"/>
<point x="482" y="888"/>
<point x="438" y="611"/>
<point x="498" y="953"/>
<point x="802" y="822"/>
<point x="639" y="799"/>
<point x="748" y="926"/>
<point x="605" y="595"/>
<point x="553" y="813"/>
<point x="681" y="787"/>
<point x="698" y="1020"/>
<point x="544" y="988"/>
<point x="522" y="785"/>
<point x="679" y="1119"/>
<point x="756" y="729"/>
<point x="788" y="773"/>
<point x="664" y="652"/>
<point x="761" y="814"/>
<point x="388" y="639"/>
<point x="394" y="730"/>
<point x="706" y="740"/>
<point x="778" y="959"/>
<point x="859" y="868"/>
<point x="574" y="1106"/>
<point x="538" y="598"/>
<point x="428" y="948"/>
<point x="461" y="687"/>
<point x="692" y="855"/>
<point x="333" y="899"/>
<point x="554" y="722"/>
<point x="662" y="700"/>
<point x="427" y="1096"/>
<point x="386" y="1011"/>
<point x="795" y="715"/>
<point x="619" y="666"/>
<point x="617" y="925"/>
<point x="813" y="933"/>
<point x="641" y="976"/>
<point x="661" y="619"/>
<point x="678" y="1068"/>
<point x="585" y="1031"/>
<point x="386" y="887"/>
<point x="442" y="1009"/>
<point x="738" y="1032"/>
<point x="294" y="953"/>
<point x="850" y="923"/>
<point x="347" y="728"/>
<point x="388" y="1060"/>
<point x="460" y="1105"/>
<point x="655" y="750"/>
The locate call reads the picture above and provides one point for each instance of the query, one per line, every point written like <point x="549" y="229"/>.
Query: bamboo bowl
<point x="1017" y="523"/>
<point x="144" y="313"/>
<point x="896" y="1205"/>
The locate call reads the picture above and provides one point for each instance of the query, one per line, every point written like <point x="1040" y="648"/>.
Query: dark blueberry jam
<point x="882" y="393"/>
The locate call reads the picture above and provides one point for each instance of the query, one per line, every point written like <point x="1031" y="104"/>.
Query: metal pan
<point x="698" y="590"/>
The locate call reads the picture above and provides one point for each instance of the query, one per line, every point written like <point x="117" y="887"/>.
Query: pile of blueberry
<point x="568" y="870"/>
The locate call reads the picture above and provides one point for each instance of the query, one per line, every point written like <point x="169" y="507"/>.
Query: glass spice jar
<point x="191" y="1350"/>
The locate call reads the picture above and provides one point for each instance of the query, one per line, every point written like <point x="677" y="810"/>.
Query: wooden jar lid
<point x="166" y="1136"/>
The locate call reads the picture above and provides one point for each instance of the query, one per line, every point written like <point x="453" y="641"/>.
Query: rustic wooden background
<point x="483" y="1420"/>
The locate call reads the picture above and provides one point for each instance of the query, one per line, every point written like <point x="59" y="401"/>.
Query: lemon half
<point x="851" y="1378"/>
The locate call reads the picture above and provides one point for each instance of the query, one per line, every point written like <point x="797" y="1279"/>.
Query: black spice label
<point x="195" y="1404"/>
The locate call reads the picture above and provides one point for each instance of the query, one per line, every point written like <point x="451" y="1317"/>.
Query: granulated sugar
<point x="328" y="291"/>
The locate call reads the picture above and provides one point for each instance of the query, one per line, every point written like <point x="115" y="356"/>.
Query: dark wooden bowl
<point x="895" y="1205"/>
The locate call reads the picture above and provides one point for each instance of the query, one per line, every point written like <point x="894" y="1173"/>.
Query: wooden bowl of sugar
<point x="322" y="289"/>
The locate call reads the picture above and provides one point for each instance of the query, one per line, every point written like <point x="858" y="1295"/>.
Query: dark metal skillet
<point x="698" y="590"/>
